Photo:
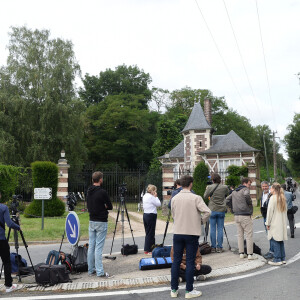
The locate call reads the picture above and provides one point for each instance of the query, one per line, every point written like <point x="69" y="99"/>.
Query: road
<point x="266" y="283"/>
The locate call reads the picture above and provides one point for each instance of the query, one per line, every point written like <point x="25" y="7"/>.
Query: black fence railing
<point x="135" y="182"/>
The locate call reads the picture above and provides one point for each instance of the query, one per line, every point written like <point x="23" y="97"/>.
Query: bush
<point x="45" y="174"/>
<point x="8" y="181"/>
<point x="201" y="174"/>
<point x="235" y="174"/>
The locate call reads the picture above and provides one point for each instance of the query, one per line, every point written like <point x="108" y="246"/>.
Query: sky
<point x="244" y="50"/>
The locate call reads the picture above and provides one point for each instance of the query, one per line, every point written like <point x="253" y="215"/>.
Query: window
<point x="200" y="144"/>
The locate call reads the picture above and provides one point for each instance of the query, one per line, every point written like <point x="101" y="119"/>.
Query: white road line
<point x="152" y="290"/>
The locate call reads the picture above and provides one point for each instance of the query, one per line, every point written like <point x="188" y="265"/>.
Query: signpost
<point x="72" y="228"/>
<point x="43" y="194"/>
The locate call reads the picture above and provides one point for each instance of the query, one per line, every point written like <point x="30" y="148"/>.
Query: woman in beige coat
<point x="276" y="223"/>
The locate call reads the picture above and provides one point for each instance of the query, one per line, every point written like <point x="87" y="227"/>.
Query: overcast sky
<point x="183" y="43"/>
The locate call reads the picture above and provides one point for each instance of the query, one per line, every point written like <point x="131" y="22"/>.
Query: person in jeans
<point x="241" y="205"/>
<point x="216" y="193"/>
<point x="150" y="204"/>
<point x="276" y="224"/>
<point x="188" y="210"/>
<point x="4" y="247"/>
<point x="290" y="213"/>
<point x="200" y="270"/>
<point x="98" y="204"/>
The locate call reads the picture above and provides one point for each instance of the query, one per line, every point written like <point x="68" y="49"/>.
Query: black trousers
<point x="204" y="270"/>
<point x="291" y="219"/>
<point x="5" y="257"/>
<point x="149" y="224"/>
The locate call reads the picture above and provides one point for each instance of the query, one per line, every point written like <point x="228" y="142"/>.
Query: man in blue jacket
<point x="4" y="247"/>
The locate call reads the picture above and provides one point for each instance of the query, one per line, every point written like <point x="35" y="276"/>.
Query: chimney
<point x="207" y="110"/>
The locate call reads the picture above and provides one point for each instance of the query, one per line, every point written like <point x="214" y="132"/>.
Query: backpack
<point x="164" y="251"/>
<point x="66" y="259"/>
<point x="204" y="248"/>
<point x="79" y="259"/>
<point x="14" y="262"/>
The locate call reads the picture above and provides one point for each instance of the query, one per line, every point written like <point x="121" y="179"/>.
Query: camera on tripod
<point x="15" y="203"/>
<point x="122" y="189"/>
<point x="71" y="201"/>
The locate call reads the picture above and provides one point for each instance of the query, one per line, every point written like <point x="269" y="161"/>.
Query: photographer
<point x="216" y="193"/>
<point x="150" y="203"/>
<point x="176" y="189"/>
<point x="4" y="247"/>
<point x="98" y="204"/>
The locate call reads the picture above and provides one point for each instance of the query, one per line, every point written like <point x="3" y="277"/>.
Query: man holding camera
<point x="216" y="193"/>
<point x="4" y="247"/>
<point x="188" y="210"/>
<point x="98" y="204"/>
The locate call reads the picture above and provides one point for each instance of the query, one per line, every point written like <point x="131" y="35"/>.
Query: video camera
<point x="15" y="203"/>
<point x="71" y="201"/>
<point x="122" y="189"/>
<point x="170" y="189"/>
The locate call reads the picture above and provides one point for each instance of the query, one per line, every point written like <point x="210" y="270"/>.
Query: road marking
<point x="152" y="290"/>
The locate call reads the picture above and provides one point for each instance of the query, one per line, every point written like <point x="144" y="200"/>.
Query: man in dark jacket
<point x="4" y="247"/>
<point x="98" y="204"/>
<point x="241" y="204"/>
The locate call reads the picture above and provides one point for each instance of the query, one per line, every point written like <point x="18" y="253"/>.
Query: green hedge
<point x="201" y="174"/>
<point x="8" y="181"/>
<point x="45" y="174"/>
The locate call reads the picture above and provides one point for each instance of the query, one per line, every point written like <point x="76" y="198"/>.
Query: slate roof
<point x="196" y="120"/>
<point x="228" y="143"/>
<point x="177" y="152"/>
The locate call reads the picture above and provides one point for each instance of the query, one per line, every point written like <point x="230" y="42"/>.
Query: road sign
<point x="42" y="193"/>
<point x="72" y="228"/>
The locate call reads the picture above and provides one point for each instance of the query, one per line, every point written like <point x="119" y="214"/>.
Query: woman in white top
<point x="276" y="223"/>
<point x="150" y="203"/>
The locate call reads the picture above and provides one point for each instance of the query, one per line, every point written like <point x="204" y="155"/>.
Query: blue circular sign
<point x="72" y="228"/>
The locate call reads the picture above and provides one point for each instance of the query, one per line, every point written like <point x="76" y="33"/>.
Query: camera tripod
<point x="123" y="209"/>
<point x="15" y="219"/>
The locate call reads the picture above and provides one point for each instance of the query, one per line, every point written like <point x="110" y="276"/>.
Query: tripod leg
<point x="129" y="222"/>
<point x="8" y="235"/>
<point x="26" y="246"/>
<point x="112" y="244"/>
<point x="166" y="229"/>
<point x="229" y="247"/>
<point x="17" y="250"/>
<point x="62" y="238"/>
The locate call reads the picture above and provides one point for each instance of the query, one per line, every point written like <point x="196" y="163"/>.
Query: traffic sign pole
<point x="43" y="210"/>
<point x="43" y="194"/>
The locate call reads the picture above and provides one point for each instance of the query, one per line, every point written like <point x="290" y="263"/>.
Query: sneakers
<point x="105" y="275"/>
<point x="219" y="250"/>
<point x="243" y="255"/>
<point x="252" y="257"/>
<point x="273" y="263"/>
<point x="192" y="294"/>
<point x="284" y="262"/>
<point x="269" y="255"/>
<point x="201" y="278"/>
<point x="213" y="250"/>
<point x="11" y="289"/>
<point x="174" y="293"/>
<point x="148" y="253"/>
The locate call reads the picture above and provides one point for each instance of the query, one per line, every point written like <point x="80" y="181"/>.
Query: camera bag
<point x="51" y="274"/>
<point x="164" y="251"/>
<point x="155" y="263"/>
<point x="14" y="258"/>
<point x="79" y="259"/>
<point x="129" y="249"/>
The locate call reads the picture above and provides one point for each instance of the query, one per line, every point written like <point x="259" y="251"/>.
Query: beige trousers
<point x="244" y="226"/>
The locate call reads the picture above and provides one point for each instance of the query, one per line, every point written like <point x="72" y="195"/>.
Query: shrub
<point x="8" y="181"/>
<point x="235" y="174"/>
<point x="45" y="174"/>
<point x="201" y="174"/>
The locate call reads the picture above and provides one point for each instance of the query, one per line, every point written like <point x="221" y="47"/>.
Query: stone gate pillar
<point x="253" y="175"/>
<point x="63" y="168"/>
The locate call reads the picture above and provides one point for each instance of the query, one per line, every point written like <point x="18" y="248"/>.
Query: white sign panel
<point x="43" y="193"/>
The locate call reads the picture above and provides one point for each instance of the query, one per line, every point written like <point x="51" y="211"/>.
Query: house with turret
<point x="217" y="151"/>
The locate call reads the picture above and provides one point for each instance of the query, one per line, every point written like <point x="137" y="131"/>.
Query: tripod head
<point x="122" y="189"/>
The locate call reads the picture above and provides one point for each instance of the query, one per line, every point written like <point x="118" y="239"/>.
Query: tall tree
<point x="292" y="142"/>
<point x="39" y="111"/>
<point x="124" y="79"/>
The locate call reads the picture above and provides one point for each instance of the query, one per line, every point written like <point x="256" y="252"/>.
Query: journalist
<point x="4" y="247"/>
<point x="216" y="193"/>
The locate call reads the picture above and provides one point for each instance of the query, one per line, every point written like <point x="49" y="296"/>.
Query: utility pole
<point x="267" y="165"/>
<point x="274" y="156"/>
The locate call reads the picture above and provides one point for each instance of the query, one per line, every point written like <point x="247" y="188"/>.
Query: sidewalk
<point x="127" y="274"/>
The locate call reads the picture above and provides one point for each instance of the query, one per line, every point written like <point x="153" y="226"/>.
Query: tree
<point x="292" y="142"/>
<point x="123" y="80"/>
<point x="39" y="112"/>
<point x="160" y="97"/>
<point x="201" y="174"/>
<point x="120" y="130"/>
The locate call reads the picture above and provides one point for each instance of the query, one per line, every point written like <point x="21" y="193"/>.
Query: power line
<point x="222" y="58"/>
<point x="264" y="56"/>
<point x="243" y="63"/>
